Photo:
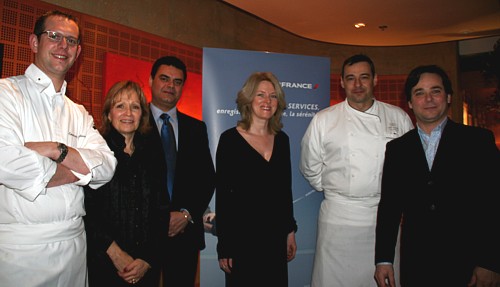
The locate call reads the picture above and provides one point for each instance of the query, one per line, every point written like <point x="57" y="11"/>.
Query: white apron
<point x="33" y="251"/>
<point x="345" y="247"/>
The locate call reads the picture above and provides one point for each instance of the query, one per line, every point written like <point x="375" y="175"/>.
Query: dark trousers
<point x="179" y="264"/>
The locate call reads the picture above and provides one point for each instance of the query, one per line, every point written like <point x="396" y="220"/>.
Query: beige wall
<point x="214" y="24"/>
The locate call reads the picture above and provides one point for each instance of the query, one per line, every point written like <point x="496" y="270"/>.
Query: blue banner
<point x="306" y="83"/>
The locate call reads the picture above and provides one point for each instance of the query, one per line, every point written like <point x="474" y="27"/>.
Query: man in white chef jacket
<point x="49" y="149"/>
<point x="342" y="154"/>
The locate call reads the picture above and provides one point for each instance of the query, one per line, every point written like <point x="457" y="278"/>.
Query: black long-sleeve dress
<point x="125" y="210"/>
<point x="254" y="210"/>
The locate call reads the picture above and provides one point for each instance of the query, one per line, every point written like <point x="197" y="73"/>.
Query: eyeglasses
<point x="57" y="37"/>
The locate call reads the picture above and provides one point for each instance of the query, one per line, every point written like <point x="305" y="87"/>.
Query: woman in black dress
<point x="255" y="223"/>
<point x="123" y="217"/>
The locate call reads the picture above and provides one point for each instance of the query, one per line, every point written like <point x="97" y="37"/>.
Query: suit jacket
<point x="194" y="181"/>
<point x="449" y="215"/>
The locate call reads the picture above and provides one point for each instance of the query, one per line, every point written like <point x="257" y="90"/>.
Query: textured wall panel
<point x="99" y="36"/>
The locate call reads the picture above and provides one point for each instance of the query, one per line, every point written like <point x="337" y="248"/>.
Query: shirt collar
<point x="43" y="82"/>
<point x="156" y="112"/>
<point x="371" y="109"/>
<point x="439" y="128"/>
<point x="372" y="112"/>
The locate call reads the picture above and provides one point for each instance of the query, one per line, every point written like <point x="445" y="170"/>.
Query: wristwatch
<point x="64" y="151"/>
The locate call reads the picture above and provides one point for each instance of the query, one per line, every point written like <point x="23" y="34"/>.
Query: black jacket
<point x="449" y="213"/>
<point x="128" y="209"/>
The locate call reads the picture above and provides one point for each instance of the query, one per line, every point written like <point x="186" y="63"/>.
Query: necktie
<point x="169" y="149"/>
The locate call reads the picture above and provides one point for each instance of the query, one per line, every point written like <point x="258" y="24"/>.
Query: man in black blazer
<point x="440" y="181"/>
<point x="194" y="179"/>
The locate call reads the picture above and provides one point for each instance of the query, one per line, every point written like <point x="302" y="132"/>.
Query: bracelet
<point x="186" y="216"/>
<point x="64" y="151"/>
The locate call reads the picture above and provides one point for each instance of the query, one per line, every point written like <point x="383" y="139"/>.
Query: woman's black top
<point x="125" y="210"/>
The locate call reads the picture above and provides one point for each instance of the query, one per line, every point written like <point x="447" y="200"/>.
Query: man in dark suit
<point x="194" y="178"/>
<point x="440" y="180"/>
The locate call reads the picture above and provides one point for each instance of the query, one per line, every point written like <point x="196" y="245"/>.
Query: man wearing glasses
<point x="49" y="150"/>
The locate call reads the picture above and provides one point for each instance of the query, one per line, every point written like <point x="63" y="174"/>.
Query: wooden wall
<point x="148" y="29"/>
<point x="100" y="36"/>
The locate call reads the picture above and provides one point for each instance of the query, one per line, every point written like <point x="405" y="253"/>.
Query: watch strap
<point x="64" y="152"/>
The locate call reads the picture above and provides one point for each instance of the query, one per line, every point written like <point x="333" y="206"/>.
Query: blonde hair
<point x="247" y="94"/>
<point x="120" y="88"/>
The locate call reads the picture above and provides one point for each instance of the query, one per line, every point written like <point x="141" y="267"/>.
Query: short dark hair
<point x="169" y="61"/>
<point x="415" y="74"/>
<point x="356" y="59"/>
<point x="40" y="22"/>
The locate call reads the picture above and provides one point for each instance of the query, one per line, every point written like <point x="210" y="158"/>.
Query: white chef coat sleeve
<point x="99" y="159"/>
<point x="21" y="169"/>
<point x="311" y="159"/>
